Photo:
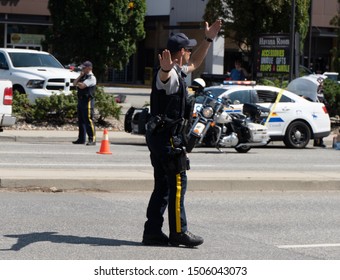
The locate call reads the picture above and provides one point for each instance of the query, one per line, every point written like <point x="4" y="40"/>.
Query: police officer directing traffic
<point x="86" y="86"/>
<point x="165" y="140"/>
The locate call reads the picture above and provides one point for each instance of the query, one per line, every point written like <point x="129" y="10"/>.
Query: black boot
<point x="78" y="142"/>
<point x="318" y="142"/>
<point x="185" y="238"/>
<point x="159" y="239"/>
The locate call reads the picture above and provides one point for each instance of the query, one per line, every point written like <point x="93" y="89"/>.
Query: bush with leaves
<point x="274" y="82"/>
<point x="59" y="109"/>
<point x="56" y="109"/>
<point x="106" y="106"/>
<point x="22" y="108"/>
<point x="332" y="95"/>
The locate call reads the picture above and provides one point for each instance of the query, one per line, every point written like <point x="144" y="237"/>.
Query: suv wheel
<point x="19" y="89"/>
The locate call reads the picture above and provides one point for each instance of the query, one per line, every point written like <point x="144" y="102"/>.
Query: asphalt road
<point x="108" y="226"/>
<point x="63" y="165"/>
<point x="272" y="203"/>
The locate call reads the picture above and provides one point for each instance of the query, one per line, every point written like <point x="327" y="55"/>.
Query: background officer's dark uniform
<point x="85" y="111"/>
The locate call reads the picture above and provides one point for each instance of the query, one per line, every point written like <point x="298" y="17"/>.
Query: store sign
<point x="272" y="55"/>
<point x="9" y="2"/>
<point x="27" y="39"/>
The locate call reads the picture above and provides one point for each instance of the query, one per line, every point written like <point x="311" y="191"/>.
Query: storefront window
<point x="25" y="36"/>
<point x="2" y="36"/>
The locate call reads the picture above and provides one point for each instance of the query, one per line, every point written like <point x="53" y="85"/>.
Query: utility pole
<point x="292" y="41"/>
<point x="310" y="34"/>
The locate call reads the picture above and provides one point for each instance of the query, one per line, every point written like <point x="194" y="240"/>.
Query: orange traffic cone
<point x="105" y="145"/>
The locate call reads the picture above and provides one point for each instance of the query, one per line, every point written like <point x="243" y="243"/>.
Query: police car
<point x="292" y="119"/>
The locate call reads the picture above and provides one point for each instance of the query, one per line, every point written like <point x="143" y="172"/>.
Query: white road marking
<point x="82" y="164"/>
<point x="309" y="246"/>
<point x="74" y="164"/>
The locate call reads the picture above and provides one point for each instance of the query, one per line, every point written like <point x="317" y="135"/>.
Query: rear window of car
<point x="268" y="96"/>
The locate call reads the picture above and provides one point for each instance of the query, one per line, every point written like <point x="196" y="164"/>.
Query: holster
<point x="154" y="124"/>
<point x="177" y="160"/>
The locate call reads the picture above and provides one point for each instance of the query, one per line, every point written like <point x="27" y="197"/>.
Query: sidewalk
<point x="66" y="136"/>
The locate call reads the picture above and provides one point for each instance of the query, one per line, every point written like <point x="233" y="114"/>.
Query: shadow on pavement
<point x="27" y="239"/>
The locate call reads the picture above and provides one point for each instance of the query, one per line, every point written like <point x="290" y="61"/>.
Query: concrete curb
<point x="142" y="180"/>
<point x="114" y="185"/>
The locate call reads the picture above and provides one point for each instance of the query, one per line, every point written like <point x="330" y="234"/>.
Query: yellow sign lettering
<point x="265" y="68"/>
<point x="282" y="68"/>
<point x="272" y="53"/>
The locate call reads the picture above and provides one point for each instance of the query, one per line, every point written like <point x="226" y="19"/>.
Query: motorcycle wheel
<point x="210" y="139"/>
<point x="192" y="141"/>
<point x="243" y="149"/>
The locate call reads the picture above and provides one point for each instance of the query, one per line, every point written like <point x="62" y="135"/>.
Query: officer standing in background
<point x="165" y="141"/>
<point x="318" y="142"/>
<point x="86" y="86"/>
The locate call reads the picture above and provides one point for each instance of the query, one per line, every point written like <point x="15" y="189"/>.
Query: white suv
<point x="35" y="73"/>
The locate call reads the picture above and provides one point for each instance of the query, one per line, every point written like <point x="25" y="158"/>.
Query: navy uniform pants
<point x="169" y="188"/>
<point x="85" y="111"/>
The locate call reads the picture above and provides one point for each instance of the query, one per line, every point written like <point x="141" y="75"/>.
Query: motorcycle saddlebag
<point x="139" y="119"/>
<point x="128" y="119"/>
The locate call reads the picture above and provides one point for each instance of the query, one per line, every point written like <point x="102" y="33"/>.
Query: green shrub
<point x="22" y="108"/>
<point x="59" y="109"/>
<point x="332" y="95"/>
<point x="56" y="109"/>
<point x="106" y="106"/>
<point x="273" y="82"/>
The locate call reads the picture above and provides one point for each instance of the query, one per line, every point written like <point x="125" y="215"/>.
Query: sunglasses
<point x="188" y="50"/>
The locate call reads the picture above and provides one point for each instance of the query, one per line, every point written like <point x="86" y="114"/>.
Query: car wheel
<point x="297" y="135"/>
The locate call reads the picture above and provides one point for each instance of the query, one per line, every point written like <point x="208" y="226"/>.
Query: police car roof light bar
<point x="240" y="83"/>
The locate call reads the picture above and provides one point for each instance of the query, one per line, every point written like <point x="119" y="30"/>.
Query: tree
<point x="336" y="50"/>
<point x="103" y="31"/>
<point x="245" y="20"/>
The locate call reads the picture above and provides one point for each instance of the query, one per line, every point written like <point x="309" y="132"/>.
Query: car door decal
<point x="274" y="118"/>
<point x="272" y="109"/>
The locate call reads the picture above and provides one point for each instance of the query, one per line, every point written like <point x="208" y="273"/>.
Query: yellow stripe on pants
<point x="90" y="119"/>
<point x="178" y="202"/>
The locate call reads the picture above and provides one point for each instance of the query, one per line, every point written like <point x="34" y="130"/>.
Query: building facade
<point x="322" y="36"/>
<point x="23" y="24"/>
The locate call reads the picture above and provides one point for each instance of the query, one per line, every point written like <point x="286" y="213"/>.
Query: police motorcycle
<point x="227" y="130"/>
